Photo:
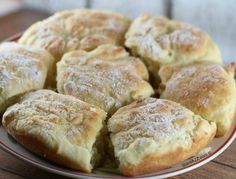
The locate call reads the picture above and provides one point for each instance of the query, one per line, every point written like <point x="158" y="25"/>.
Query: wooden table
<point x="223" y="166"/>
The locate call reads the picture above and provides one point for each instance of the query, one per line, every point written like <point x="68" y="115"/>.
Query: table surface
<point x="223" y="166"/>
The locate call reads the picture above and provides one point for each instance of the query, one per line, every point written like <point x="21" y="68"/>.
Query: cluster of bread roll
<point x="83" y="77"/>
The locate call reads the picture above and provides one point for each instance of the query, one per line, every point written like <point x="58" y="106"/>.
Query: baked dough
<point x="152" y="134"/>
<point x="106" y="77"/>
<point x="159" y="41"/>
<point x="83" y="49"/>
<point x="77" y="29"/>
<point x="60" y="128"/>
<point x="207" y="89"/>
<point x="22" y="68"/>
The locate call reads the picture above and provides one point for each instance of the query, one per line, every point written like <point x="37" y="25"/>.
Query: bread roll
<point x="58" y="127"/>
<point x="76" y="29"/>
<point x="106" y="77"/>
<point x="22" y="68"/>
<point x="152" y="134"/>
<point x="207" y="89"/>
<point x="159" y="41"/>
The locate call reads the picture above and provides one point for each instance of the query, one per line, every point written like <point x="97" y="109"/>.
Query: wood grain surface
<point x="223" y="166"/>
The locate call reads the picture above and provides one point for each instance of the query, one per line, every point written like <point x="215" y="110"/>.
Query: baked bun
<point x="160" y="41"/>
<point x="77" y="29"/>
<point x="22" y="68"/>
<point x="208" y="90"/>
<point x="60" y="128"/>
<point x="106" y="77"/>
<point x="152" y="134"/>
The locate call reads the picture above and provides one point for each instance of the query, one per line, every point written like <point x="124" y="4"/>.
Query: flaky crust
<point x="107" y="77"/>
<point x="60" y="128"/>
<point x="207" y="89"/>
<point x="151" y="134"/>
<point x="160" y="41"/>
<point x="77" y="29"/>
<point x="22" y="69"/>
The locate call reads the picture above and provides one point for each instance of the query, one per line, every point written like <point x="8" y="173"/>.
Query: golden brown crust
<point x="77" y="29"/>
<point x="151" y="134"/>
<point x="207" y="89"/>
<point x="107" y="77"/>
<point x="60" y="128"/>
<point x="160" y="41"/>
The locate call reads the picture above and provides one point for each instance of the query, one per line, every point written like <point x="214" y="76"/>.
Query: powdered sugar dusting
<point x="159" y="40"/>
<point x="147" y="45"/>
<point x="22" y="68"/>
<point x="196" y="85"/>
<point x="185" y="37"/>
<point x="106" y="83"/>
<point x="79" y="29"/>
<point x="160" y="123"/>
